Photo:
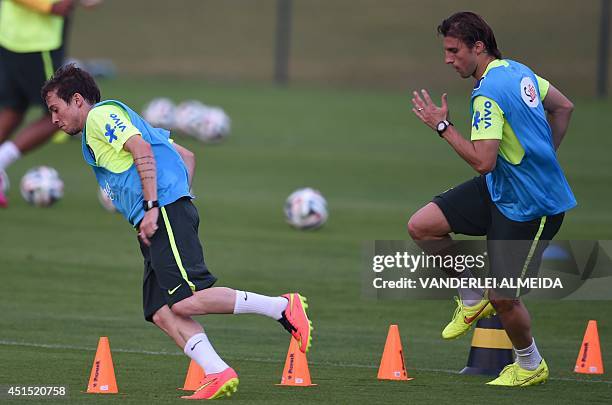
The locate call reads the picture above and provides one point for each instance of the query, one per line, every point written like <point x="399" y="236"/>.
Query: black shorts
<point x="22" y="75"/>
<point x="514" y="248"/>
<point x="174" y="263"/>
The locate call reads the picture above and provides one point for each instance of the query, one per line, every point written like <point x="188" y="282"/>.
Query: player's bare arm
<point x="144" y="161"/>
<point x="189" y="160"/>
<point x="481" y="155"/>
<point x="62" y="7"/>
<point x="559" y="109"/>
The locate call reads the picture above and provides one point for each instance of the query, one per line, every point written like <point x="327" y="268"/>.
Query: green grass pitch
<point x="72" y="273"/>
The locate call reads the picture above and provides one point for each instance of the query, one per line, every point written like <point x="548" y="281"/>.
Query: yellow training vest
<point x="23" y="29"/>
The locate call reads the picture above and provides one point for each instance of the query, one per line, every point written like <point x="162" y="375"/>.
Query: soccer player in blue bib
<point x="148" y="178"/>
<point x="518" y="121"/>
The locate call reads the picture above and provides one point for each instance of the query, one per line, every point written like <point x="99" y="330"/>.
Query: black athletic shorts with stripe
<point x="22" y="75"/>
<point x="174" y="263"/>
<point x="469" y="211"/>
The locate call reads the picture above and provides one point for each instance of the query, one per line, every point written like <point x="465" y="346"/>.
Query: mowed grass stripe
<point x="254" y="359"/>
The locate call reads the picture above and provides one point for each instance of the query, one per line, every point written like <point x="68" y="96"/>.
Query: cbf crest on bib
<point x="529" y="92"/>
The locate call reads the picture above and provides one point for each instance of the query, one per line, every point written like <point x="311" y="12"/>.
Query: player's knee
<point x="160" y="318"/>
<point x="504" y="305"/>
<point x="180" y="309"/>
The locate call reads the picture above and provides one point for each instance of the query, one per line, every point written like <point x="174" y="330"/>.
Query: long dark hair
<point x="469" y="28"/>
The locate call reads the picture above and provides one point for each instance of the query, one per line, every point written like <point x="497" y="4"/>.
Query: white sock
<point x="251" y="303"/>
<point x="469" y="296"/>
<point x="528" y="358"/>
<point x="8" y="154"/>
<point x="199" y="349"/>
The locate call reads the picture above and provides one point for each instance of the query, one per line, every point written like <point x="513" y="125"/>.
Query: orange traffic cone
<point x="589" y="359"/>
<point x="195" y="375"/>
<point x="296" y="371"/>
<point x="392" y="366"/>
<point x="102" y="379"/>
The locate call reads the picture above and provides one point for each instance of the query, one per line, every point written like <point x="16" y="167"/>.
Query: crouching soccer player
<point x="148" y="177"/>
<point x="519" y="201"/>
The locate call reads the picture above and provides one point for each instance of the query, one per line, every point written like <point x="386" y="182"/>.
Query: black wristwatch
<point x="443" y="126"/>
<point x="147" y="204"/>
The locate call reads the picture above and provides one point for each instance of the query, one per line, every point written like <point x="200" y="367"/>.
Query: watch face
<point x="441" y="126"/>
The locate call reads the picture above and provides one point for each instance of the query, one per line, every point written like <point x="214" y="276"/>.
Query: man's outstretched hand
<point x="425" y="109"/>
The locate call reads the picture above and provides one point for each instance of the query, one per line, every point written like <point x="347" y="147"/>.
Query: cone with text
<point x="102" y="379"/>
<point x="589" y="358"/>
<point x="296" y="371"/>
<point x="392" y="365"/>
<point x="195" y="375"/>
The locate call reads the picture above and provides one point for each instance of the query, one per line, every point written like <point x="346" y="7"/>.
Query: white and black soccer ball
<point x="161" y="113"/>
<point x="205" y="123"/>
<point x="189" y="117"/>
<point x="215" y="125"/>
<point x="306" y="208"/>
<point x="106" y="200"/>
<point x="42" y="186"/>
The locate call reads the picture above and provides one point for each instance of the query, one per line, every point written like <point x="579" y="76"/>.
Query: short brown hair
<point x="69" y="80"/>
<point x="469" y="28"/>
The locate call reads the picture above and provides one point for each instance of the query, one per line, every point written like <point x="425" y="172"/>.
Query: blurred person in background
<point x="32" y="47"/>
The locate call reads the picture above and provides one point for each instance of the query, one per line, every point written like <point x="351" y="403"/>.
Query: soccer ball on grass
<point x="41" y="186"/>
<point x="204" y="123"/>
<point x="305" y="209"/>
<point x="160" y="112"/>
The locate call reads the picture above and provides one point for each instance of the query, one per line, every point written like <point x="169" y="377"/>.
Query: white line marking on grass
<point x="256" y="359"/>
<point x="89" y="349"/>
